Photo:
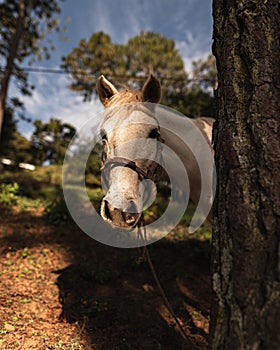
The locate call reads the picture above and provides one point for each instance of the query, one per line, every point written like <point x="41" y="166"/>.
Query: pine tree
<point x="127" y="65"/>
<point x="23" y="25"/>
<point x="50" y="141"/>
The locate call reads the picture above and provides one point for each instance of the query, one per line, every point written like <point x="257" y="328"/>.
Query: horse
<point x="133" y="133"/>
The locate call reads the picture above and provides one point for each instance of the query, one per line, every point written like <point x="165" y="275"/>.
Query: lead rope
<point x="142" y="236"/>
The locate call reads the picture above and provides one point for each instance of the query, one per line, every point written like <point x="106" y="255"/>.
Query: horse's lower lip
<point x="129" y="218"/>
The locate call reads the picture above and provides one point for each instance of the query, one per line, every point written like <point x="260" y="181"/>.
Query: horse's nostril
<point x="106" y="210"/>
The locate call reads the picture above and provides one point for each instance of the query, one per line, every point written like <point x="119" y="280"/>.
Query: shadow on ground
<point x="109" y="293"/>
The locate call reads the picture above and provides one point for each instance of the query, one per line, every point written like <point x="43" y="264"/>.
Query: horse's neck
<point x="190" y="140"/>
<point x="182" y="134"/>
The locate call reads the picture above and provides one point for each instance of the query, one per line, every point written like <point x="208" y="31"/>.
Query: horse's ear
<point x="151" y="91"/>
<point x="105" y="89"/>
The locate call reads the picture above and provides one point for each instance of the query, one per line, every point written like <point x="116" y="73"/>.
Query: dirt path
<point x="62" y="290"/>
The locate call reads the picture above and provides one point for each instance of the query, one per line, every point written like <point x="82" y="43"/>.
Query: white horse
<point x="133" y="128"/>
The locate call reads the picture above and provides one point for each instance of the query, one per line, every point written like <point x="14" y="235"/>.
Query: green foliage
<point x="152" y="52"/>
<point x="195" y="102"/>
<point x="96" y="55"/>
<point x="130" y="64"/>
<point x="9" y="194"/>
<point x="12" y="144"/>
<point x="33" y="185"/>
<point x="41" y="188"/>
<point x="23" y="26"/>
<point x="56" y="211"/>
<point x="51" y="174"/>
<point x="92" y="172"/>
<point x="205" y="73"/>
<point x="50" y="141"/>
<point x="19" y="148"/>
<point x="196" y="98"/>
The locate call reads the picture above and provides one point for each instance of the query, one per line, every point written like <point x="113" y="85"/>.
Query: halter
<point x="151" y="173"/>
<point x="121" y="161"/>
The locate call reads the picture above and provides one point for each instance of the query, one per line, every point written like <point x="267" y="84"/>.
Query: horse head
<point x="131" y="150"/>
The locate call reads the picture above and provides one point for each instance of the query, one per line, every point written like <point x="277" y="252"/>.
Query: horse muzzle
<point x="127" y="218"/>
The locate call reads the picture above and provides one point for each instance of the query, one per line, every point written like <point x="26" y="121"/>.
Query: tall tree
<point x="23" y="26"/>
<point x="204" y="73"/>
<point x="151" y="52"/>
<point x="126" y="64"/>
<point x="91" y="58"/>
<point x="246" y="237"/>
<point x="50" y="141"/>
<point x="15" y="146"/>
<point x="196" y="98"/>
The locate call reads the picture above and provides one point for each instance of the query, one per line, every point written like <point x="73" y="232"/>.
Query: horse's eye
<point x="103" y="134"/>
<point x="154" y="134"/>
<point x="104" y="148"/>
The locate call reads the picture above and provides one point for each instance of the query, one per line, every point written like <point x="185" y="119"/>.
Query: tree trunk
<point x="246" y="233"/>
<point x="10" y="61"/>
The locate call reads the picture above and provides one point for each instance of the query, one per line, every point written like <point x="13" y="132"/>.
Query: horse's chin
<point x="119" y="219"/>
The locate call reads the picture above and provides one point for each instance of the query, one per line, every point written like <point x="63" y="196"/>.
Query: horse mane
<point x="123" y="97"/>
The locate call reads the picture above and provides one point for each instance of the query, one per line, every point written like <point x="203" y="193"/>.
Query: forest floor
<point x="60" y="289"/>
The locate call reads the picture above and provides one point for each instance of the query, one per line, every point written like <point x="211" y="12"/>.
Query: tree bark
<point x="246" y="232"/>
<point x="10" y="61"/>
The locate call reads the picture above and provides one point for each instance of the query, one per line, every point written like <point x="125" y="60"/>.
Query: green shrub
<point x="56" y="211"/>
<point x="9" y="194"/>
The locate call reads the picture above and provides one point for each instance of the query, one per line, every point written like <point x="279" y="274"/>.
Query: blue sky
<point x="187" y="22"/>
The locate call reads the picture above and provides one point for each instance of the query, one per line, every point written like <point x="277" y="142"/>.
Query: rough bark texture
<point x="246" y="237"/>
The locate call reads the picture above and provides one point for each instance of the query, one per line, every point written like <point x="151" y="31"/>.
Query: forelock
<point x="124" y="97"/>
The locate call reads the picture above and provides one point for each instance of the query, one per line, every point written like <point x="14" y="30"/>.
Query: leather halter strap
<point x="121" y="161"/>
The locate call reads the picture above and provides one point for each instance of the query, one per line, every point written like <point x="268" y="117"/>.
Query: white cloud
<point x="187" y="22"/>
<point x="121" y="19"/>
<point x="190" y="54"/>
<point x="52" y="99"/>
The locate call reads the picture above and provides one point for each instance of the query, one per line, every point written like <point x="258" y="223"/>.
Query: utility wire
<point x="117" y="76"/>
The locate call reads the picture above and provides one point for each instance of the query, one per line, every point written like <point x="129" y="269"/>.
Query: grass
<point x="40" y="184"/>
<point x="43" y="189"/>
<point x="66" y="291"/>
